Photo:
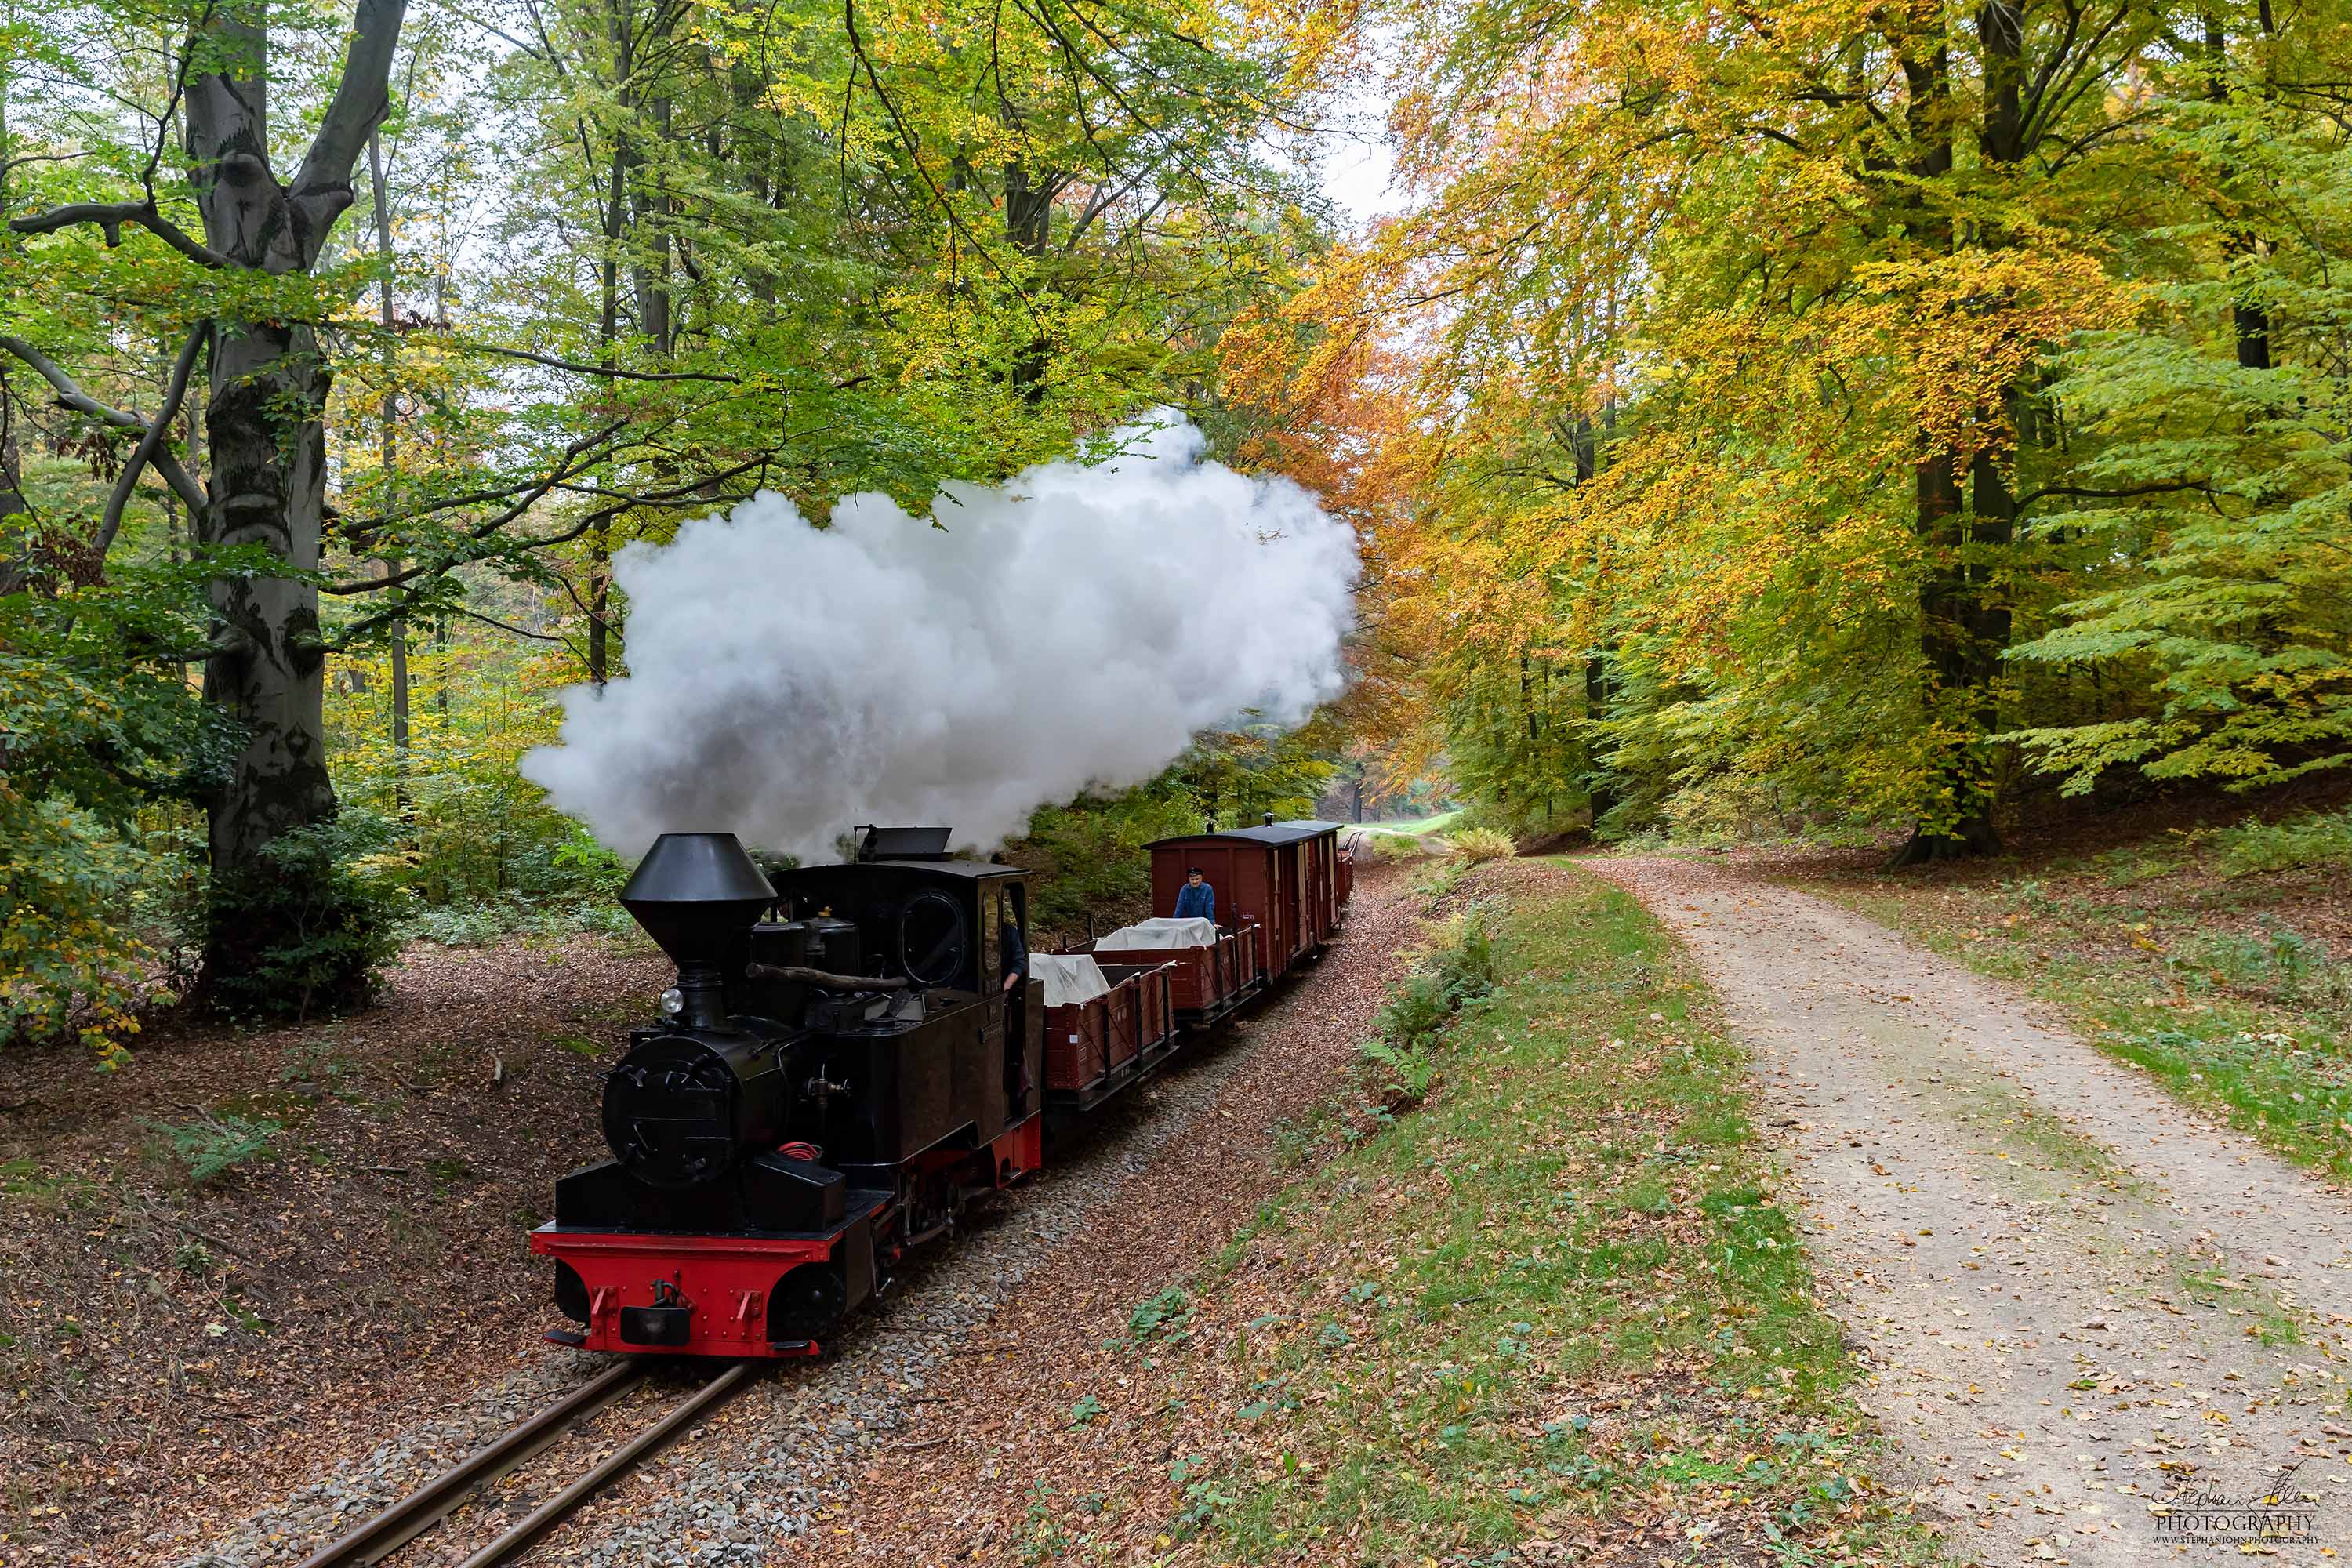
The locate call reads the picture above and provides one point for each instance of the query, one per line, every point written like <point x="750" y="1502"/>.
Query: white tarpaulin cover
<point x="1069" y="978"/>
<point x="1159" y="933"/>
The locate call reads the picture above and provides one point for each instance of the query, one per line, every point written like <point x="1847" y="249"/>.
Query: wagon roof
<point x="1280" y="833"/>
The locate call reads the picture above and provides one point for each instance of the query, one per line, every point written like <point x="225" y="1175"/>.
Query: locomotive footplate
<point x="761" y="1294"/>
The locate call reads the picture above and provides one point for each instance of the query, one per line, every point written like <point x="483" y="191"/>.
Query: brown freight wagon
<point x="1096" y="1047"/>
<point x="1210" y="981"/>
<point x="1281" y="890"/>
<point x="1287" y="876"/>
<point x="1205" y="982"/>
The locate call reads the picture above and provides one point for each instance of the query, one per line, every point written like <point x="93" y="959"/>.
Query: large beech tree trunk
<point x="267" y="389"/>
<point x="1029" y="224"/>
<point x="619" y="30"/>
<point x="1965" y="621"/>
<point x="1961" y="634"/>
<point x="2250" y="318"/>
<point x="1958" y="639"/>
<point x="268" y="488"/>
<point x="1599" y="792"/>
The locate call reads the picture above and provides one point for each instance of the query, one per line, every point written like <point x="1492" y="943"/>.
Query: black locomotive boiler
<point x="838" y="1071"/>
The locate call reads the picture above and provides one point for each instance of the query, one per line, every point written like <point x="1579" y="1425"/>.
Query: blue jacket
<point x="1196" y="903"/>
<point x="1015" y="949"/>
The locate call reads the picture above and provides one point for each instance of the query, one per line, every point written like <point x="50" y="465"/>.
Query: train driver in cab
<point x="1014" y="948"/>
<point x="1196" y="900"/>
<point x="1013" y="954"/>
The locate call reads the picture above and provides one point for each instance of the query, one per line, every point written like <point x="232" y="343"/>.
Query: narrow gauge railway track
<point x="395" y="1527"/>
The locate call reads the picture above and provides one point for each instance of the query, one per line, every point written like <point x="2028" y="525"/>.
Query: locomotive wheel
<point x="807" y="1302"/>
<point x="571" y="1293"/>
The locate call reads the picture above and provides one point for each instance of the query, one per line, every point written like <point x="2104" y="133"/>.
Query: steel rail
<point x="397" y="1525"/>
<point x="620" y="1459"/>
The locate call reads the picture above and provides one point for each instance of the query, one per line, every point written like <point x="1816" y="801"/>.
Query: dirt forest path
<point x="2077" y="1300"/>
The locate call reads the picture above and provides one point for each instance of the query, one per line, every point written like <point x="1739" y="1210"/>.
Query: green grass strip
<point x="1558" y="1301"/>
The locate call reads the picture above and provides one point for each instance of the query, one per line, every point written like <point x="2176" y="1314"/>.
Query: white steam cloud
<point x="1071" y="630"/>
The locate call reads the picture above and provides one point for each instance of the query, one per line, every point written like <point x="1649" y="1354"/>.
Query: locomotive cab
<point x="947" y="1059"/>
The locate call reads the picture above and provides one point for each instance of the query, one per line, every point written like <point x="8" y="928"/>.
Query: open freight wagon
<point x="1107" y="1025"/>
<point x="1118" y="1006"/>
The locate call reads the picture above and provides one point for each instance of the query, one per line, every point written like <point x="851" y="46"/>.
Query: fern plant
<point x="1400" y="1076"/>
<point x="211" y="1147"/>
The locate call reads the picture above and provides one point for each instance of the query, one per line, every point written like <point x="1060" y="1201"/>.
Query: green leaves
<point x="2212" y="478"/>
<point x="628" y="265"/>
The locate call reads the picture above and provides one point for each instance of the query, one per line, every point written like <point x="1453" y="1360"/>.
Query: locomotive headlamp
<point x="673" y="1001"/>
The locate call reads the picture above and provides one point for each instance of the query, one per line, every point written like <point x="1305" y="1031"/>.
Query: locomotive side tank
<point x="827" y="1089"/>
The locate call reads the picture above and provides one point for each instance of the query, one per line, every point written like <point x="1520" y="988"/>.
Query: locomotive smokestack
<point x="698" y="894"/>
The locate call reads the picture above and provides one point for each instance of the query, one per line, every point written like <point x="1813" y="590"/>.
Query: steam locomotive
<point x="842" y="1067"/>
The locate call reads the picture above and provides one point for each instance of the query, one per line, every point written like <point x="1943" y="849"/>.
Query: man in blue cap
<point x="1196" y="900"/>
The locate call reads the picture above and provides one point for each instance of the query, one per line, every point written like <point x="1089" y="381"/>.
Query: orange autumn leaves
<point x="1684" y="298"/>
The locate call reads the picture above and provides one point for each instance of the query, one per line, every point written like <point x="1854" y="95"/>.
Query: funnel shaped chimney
<point x="696" y="894"/>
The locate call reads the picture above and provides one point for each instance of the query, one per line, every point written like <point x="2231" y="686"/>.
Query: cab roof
<point x="976" y="870"/>
<point x="970" y="869"/>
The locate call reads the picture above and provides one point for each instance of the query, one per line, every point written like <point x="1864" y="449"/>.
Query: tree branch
<point x="10" y="165"/>
<point x="2155" y="488"/>
<point x="149" y="442"/>
<point x="362" y="99"/>
<point x="480" y="531"/>
<point x="585" y="453"/>
<point x="693" y="493"/>
<point x="502" y="626"/>
<point x="607" y="371"/>
<point x="603" y="514"/>
<point x="72" y="396"/>
<point x="361" y="535"/>
<point x="110" y="216"/>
